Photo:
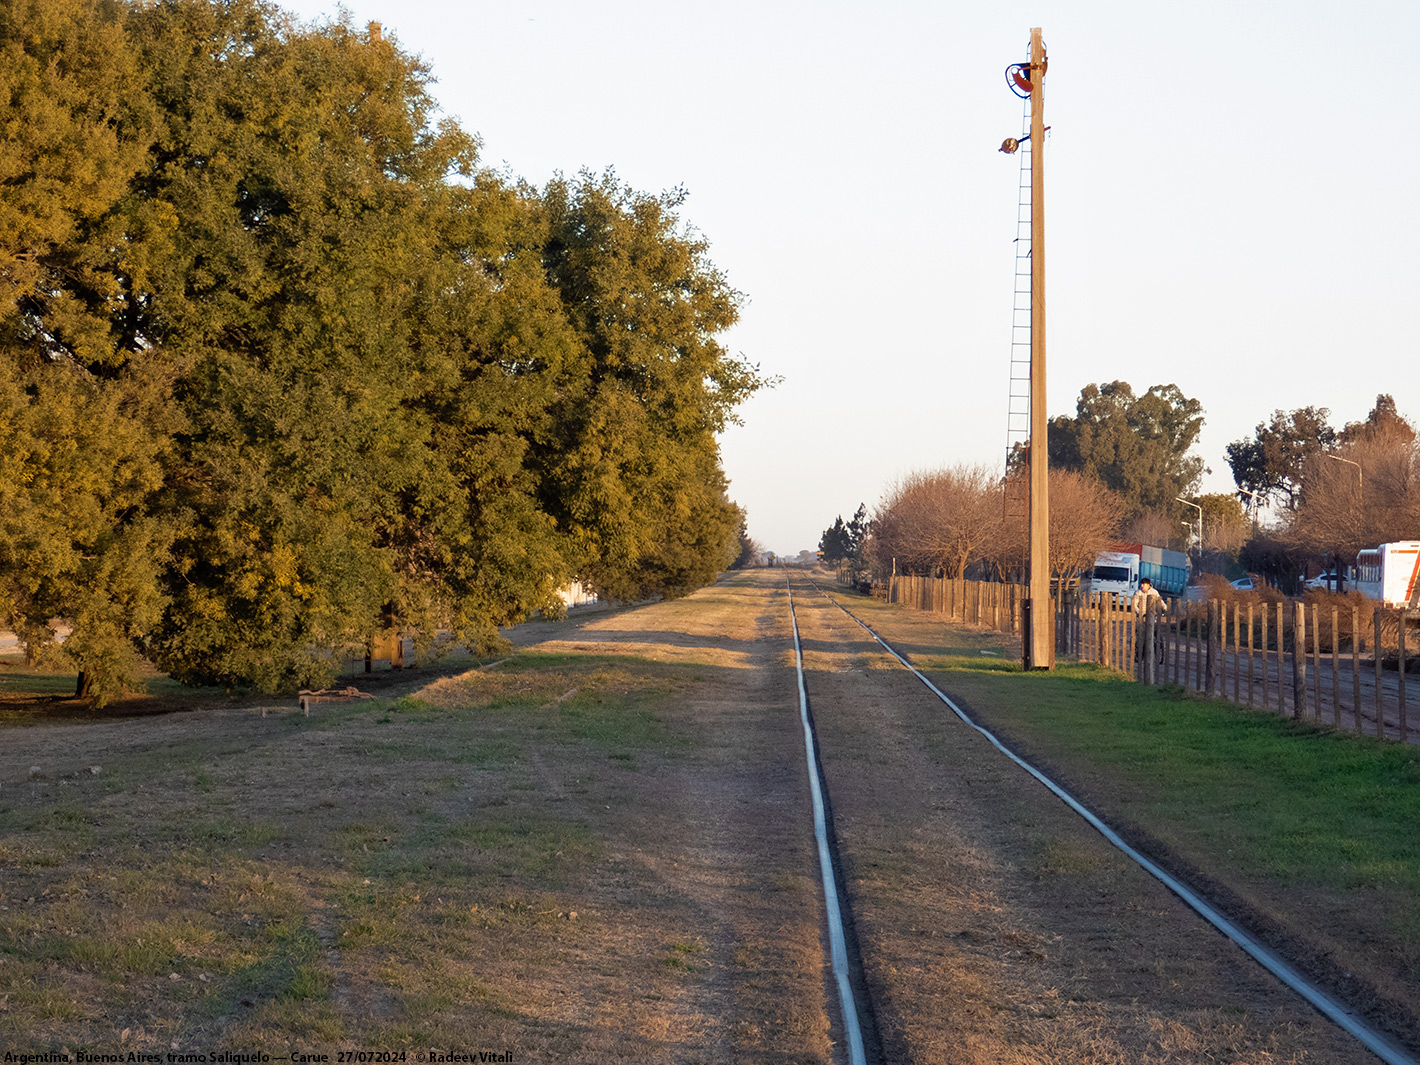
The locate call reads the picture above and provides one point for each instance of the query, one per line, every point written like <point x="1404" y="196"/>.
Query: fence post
<point x="1281" y="661"/>
<point x="1336" y="667"/>
<point x="1237" y="651"/>
<point x="1118" y="635"/>
<point x="1404" y="725"/>
<point x="1180" y="643"/>
<point x="1198" y="653"/>
<point x="1104" y="628"/>
<point x="1099" y="628"/>
<point x="1212" y="671"/>
<point x="1299" y="661"/>
<point x="1151" y="624"/>
<point x="1130" y="623"/>
<point x="1376" y="654"/>
<point x="1183" y="634"/>
<point x="1249" y="655"/>
<point x="1164" y="614"/>
<point x="1316" y="663"/>
<point x="1356" y="669"/>
<point x="1262" y="639"/>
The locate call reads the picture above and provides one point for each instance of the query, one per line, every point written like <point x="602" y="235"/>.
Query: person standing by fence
<point x="1148" y="605"/>
<point x="1146" y="596"/>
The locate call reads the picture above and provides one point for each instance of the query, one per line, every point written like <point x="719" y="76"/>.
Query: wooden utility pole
<point x="1040" y="654"/>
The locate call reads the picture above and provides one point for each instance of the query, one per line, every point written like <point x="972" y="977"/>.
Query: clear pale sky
<point x="1230" y="203"/>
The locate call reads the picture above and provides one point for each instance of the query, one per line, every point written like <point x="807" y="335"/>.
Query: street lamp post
<point x="1360" y="497"/>
<point x="1254" y="505"/>
<point x="1360" y="476"/>
<point x="1196" y="507"/>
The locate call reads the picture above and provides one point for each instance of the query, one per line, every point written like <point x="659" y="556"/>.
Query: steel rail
<point x="1374" y="1041"/>
<point x="838" y="944"/>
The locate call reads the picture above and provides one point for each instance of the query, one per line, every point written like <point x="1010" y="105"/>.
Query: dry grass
<point x="539" y="858"/>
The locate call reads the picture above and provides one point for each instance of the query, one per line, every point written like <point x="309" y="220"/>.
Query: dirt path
<point x="997" y="927"/>
<point x="715" y="849"/>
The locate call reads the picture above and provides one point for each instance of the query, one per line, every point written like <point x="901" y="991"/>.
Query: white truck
<point x="1115" y="571"/>
<point x="1121" y="568"/>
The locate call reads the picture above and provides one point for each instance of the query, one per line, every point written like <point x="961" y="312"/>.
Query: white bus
<point x="1388" y="572"/>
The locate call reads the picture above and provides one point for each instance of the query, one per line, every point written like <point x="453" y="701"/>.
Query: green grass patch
<point x="523" y="848"/>
<point x="29" y="682"/>
<point x="484" y="753"/>
<point x="1290" y="800"/>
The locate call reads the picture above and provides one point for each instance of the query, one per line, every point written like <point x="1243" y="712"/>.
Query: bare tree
<point x="1084" y="520"/>
<point x="938" y="519"/>
<point x="1365" y="493"/>
<point x="1152" y="527"/>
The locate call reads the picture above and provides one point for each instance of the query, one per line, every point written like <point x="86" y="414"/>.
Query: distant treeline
<point x="281" y="365"/>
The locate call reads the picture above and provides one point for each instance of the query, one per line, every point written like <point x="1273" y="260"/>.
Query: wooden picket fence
<point x="1294" y="658"/>
<point x="989" y="603"/>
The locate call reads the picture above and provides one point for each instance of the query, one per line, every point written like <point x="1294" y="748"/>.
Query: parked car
<point x="1251" y="582"/>
<point x="1327" y="581"/>
<point x="1206" y="586"/>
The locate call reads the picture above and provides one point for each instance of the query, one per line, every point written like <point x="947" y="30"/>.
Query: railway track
<point x="865" y="1036"/>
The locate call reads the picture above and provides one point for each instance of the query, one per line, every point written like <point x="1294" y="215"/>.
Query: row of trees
<point x="1336" y="491"/>
<point x="946" y="521"/>
<point x="1116" y="467"/>
<point x="280" y="364"/>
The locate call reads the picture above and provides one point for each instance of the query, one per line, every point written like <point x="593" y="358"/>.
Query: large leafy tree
<point x="1271" y="461"/>
<point x="283" y="366"/>
<point x="1136" y="446"/>
<point x="844" y="541"/>
<point x="633" y="468"/>
<point x="84" y="418"/>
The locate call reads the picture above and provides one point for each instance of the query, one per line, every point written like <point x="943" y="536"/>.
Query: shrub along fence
<point x="1340" y="661"/>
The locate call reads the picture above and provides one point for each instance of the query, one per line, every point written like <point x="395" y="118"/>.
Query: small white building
<point x="576" y="594"/>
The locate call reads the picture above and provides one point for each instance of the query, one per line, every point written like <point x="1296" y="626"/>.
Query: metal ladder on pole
<point x="1018" y="387"/>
